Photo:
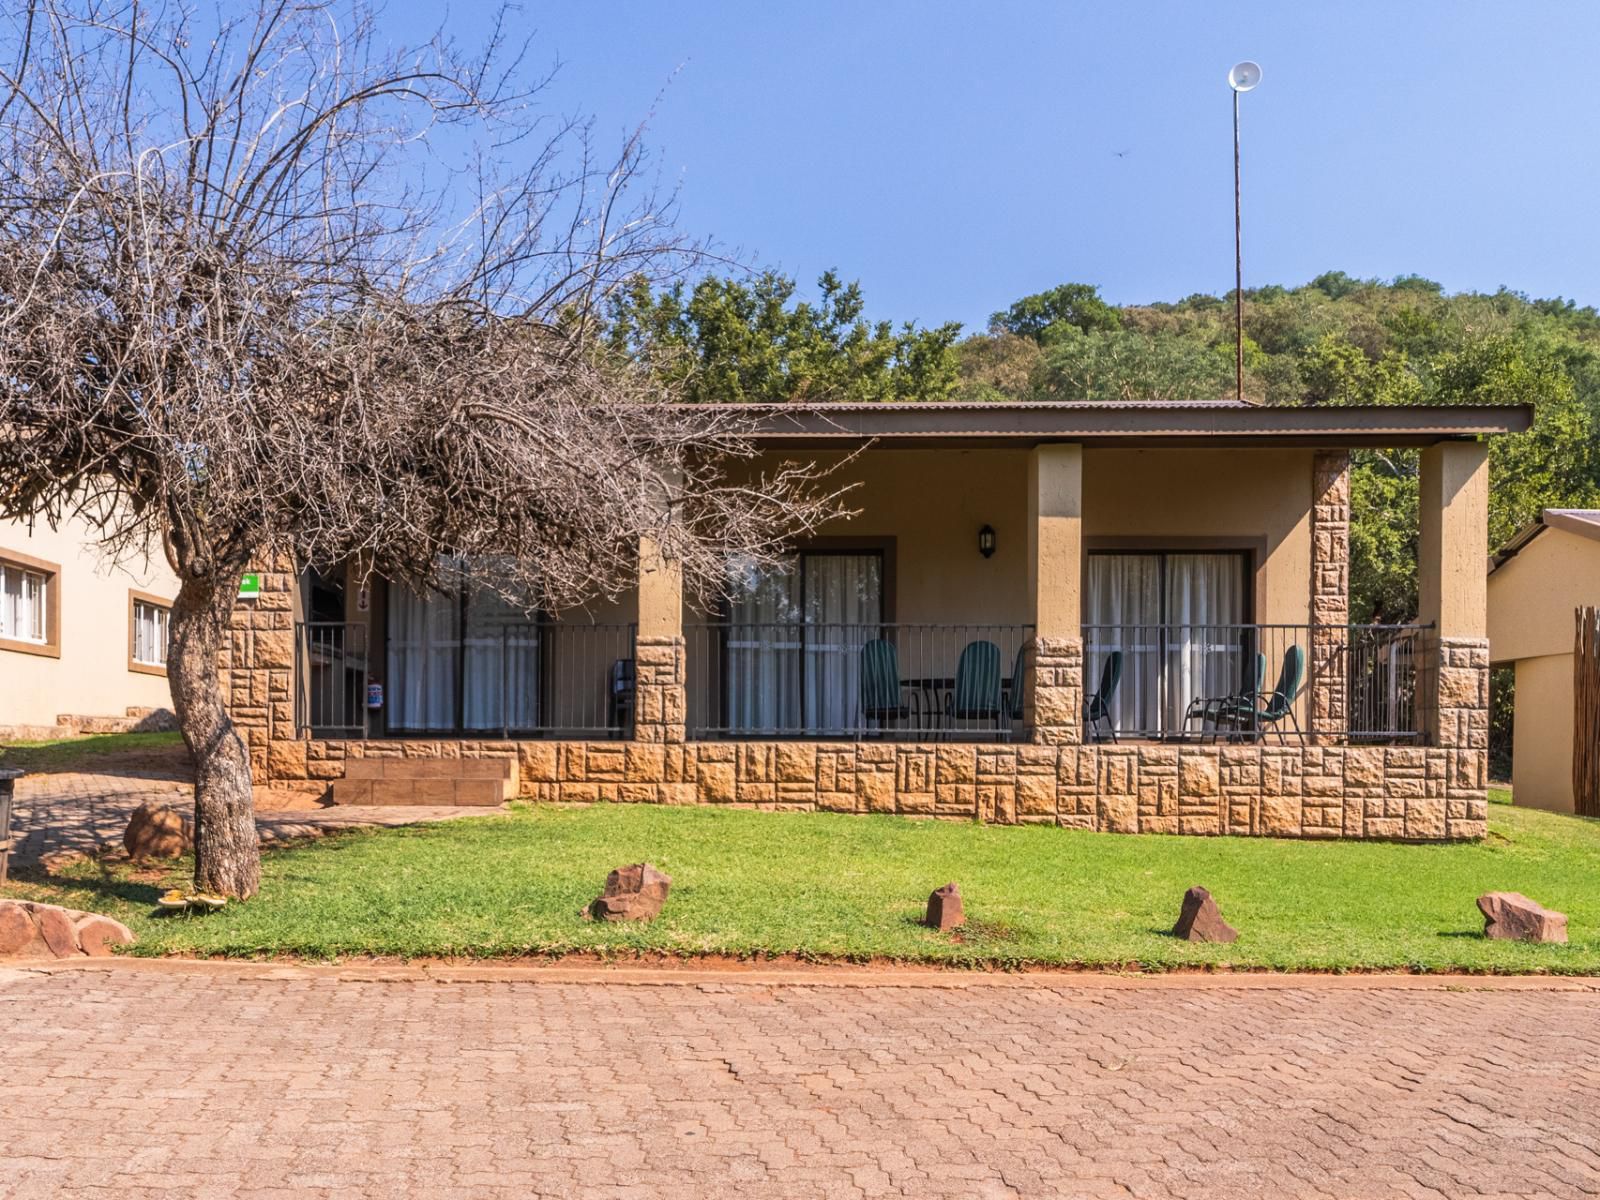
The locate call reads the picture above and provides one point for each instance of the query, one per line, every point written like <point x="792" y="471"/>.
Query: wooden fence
<point x="1586" y="715"/>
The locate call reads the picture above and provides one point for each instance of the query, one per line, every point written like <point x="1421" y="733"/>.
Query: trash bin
<point x="8" y="781"/>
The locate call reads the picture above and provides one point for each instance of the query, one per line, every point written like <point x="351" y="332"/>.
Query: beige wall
<point x="91" y="677"/>
<point x="1541" y="768"/>
<point x="1532" y="596"/>
<point x="933" y="502"/>
<point x="1243" y="499"/>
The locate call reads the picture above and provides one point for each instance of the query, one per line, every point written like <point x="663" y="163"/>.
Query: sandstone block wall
<point x="1402" y="792"/>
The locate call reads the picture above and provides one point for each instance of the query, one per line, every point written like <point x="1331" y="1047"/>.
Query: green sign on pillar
<point x="250" y="587"/>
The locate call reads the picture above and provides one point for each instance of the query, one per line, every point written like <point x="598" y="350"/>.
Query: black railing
<point x="331" y="676"/>
<point x="1255" y="682"/>
<point x="959" y="682"/>
<point x="509" y="680"/>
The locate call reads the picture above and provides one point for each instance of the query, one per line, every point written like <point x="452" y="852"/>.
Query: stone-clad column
<point x="1053" y="699"/>
<point x="659" y="696"/>
<point x="1453" y="505"/>
<point x="1330" y="594"/>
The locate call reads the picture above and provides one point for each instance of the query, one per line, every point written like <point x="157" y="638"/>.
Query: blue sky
<point x="956" y="156"/>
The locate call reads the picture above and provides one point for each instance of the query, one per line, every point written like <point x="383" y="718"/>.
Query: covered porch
<point x="1079" y="613"/>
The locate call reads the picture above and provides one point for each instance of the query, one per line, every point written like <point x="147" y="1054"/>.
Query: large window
<point x="148" y="620"/>
<point x="29" y="605"/>
<point x="463" y="660"/>
<point x="1179" y="621"/>
<point x="794" y="638"/>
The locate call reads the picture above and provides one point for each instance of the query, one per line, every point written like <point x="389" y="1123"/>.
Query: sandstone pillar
<point x="1330" y="595"/>
<point x="1053" y="698"/>
<point x="659" y="698"/>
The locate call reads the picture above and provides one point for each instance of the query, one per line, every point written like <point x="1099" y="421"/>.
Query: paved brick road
<point x="173" y="1081"/>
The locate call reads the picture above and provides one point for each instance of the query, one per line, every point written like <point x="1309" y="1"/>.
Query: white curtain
<point x="794" y="660"/>
<point x="844" y="606"/>
<point x="763" y="651"/>
<point x="22" y="605"/>
<point x="1205" y="645"/>
<point x="1171" y="616"/>
<point x="1124" y="602"/>
<point x="501" y="667"/>
<point x="149" y="634"/>
<point x="424" y="644"/>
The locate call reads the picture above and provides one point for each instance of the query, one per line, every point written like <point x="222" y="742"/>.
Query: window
<point x="29" y="605"/>
<point x="148" y="620"/>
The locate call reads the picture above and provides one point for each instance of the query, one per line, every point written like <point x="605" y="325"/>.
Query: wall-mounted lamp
<point x="986" y="541"/>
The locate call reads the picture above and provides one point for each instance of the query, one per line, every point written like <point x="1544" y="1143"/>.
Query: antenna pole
<point x="1238" y="266"/>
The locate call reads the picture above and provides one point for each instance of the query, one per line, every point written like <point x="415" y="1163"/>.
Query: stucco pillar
<point x="1330" y="594"/>
<point x="1053" y="699"/>
<point x="1453" y="506"/>
<point x="659" y="698"/>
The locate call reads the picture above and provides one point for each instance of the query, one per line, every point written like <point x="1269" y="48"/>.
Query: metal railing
<point x="957" y="682"/>
<point x="331" y="675"/>
<point x="509" y="680"/>
<point x="1238" y="682"/>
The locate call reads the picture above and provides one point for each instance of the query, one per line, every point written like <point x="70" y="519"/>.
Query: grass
<point x="854" y="887"/>
<point x="65" y="754"/>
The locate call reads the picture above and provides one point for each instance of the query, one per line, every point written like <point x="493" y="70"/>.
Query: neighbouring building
<point x="1129" y="617"/>
<point x="83" y="642"/>
<point x="1536" y="585"/>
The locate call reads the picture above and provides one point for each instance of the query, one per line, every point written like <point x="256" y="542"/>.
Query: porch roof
<point x="1154" y="423"/>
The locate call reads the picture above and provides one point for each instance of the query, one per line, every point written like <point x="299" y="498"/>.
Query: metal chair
<point x="977" y="695"/>
<point x="882" y="698"/>
<point x="1098" y="706"/>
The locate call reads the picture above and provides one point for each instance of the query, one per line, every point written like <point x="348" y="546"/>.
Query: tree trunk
<point x="227" y="852"/>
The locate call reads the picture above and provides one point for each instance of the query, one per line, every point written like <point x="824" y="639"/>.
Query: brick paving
<point x="264" y="1081"/>
<point x="67" y="812"/>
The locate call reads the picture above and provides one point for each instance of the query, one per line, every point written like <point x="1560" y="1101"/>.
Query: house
<point x="83" y="642"/>
<point x="1536" y="584"/>
<point x="951" y="650"/>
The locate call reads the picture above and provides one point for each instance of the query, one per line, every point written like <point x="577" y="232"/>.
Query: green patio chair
<point x="976" y="695"/>
<point x="1252" y="679"/>
<point x="1098" y="707"/>
<point x="1269" y="710"/>
<point x="1017" y="696"/>
<point x="882" y="699"/>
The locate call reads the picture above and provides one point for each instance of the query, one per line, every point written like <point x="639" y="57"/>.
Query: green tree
<point x="733" y="340"/>
<point x="1045" y="316"/>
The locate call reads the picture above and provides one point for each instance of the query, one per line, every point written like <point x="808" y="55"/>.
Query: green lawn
<point x="75" y="753"/>
<point x="853" y="887"/>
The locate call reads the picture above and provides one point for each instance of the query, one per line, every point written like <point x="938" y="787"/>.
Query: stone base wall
<point x="1053" y="706"/>
<point x="1274" y="791"/>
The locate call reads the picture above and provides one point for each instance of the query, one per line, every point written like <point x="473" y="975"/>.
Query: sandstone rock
<point x="1513" y="917"/>
<point x="1201" y="921"/>
<point x="55" y="927"/>
<point x="633" y="893"/>
<point x="156" y="831"/>
<point x="944" y="908"/>
<point x="16" y="928"/>
<point x="97" y="935"/>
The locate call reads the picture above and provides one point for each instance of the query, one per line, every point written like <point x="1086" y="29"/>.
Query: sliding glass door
<point x="794" y="638"/>
<point x="464" y="660"/>
<point x="1178" y="620"/>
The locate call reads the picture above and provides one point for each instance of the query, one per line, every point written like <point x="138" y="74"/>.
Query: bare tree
<point x="268" y="287"/>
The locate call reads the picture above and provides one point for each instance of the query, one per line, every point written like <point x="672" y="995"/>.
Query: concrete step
<point x="36" y="733"/>
<point x="408" y="792"/>
<point x="427" y="781"/>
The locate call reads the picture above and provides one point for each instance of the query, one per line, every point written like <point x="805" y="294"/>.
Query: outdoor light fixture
<point x="986" y="541"/>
